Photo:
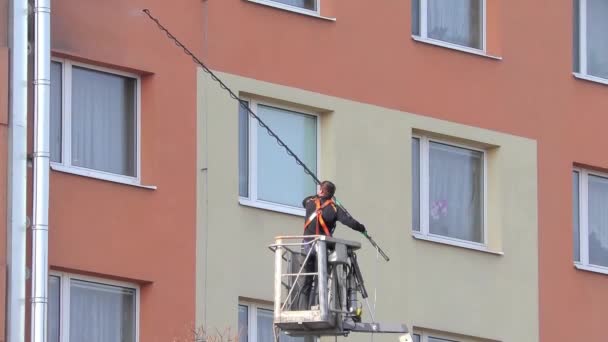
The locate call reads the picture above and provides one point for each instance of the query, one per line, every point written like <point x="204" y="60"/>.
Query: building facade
<point x="380" y="80"/>
<point x="466" y="135"/>
<point x="122" y="197"/>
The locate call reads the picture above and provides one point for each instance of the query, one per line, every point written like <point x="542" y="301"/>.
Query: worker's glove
<point x="362" y="228"/>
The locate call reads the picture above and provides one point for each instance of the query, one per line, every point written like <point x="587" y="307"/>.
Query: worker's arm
<point x="349" y="221"/>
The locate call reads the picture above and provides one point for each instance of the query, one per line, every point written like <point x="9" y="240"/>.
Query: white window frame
<point x="252" y="167"/>
<point x="583" y="224"/>
<point x="64" y="299"/>
<point x="423" y="29"/>
<point x="582" y="46"/>
<point x="424" y="233"/>
<point x="252" y="319"/>
<point x="66" y="128"/>
<point x="276" y="4"/>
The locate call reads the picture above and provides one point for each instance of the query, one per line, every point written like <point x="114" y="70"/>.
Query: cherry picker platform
<point x="317" y="280"/>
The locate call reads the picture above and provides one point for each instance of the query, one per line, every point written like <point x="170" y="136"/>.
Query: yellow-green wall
<point x="366" y="150"/>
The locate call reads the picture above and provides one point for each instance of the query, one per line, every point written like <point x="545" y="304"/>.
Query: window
<point x="427" y="338"/>
<point x="268" y="177"/>
<point x="255" y="325"/>
<point x="590" y="44"/>
<point x="590" y="219"/>
<point x="448" y="192"/>
<point x="311" y="5"/>
<point x="436" y="339"/>
<point x="453" y="22"/>
<point x="94" y="122"/>
<point x="90" y="309"/>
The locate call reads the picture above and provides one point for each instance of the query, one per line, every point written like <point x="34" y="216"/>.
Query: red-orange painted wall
<point x="367" y="55"/>
<point x="120" y="231"/>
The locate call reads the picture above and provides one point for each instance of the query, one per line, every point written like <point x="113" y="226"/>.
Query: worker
<point x="322" y="213"/>
<point x="317" y="224"/>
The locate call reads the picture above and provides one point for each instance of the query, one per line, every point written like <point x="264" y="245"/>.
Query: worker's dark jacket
<point x="331" y="214"/>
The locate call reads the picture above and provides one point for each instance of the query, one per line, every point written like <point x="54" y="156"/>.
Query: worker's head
<point x="327" y="189"/>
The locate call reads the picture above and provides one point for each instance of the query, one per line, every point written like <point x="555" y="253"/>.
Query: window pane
<point x="264" y="327"/>
<point x="435" y="339"/>
<point x="416" y="184"/>
<point x="456" y="21"/>
<point x="597" y="44"/>
<point x="576" y="35"/>
<point x="243" y="152"/>
<point x="285" y="338"/>
<point x="53" y="309"/>
<point x="456" y="192"/>
<point x="103" y="122"/>
<point x="598" y="220"/>
<point x="575" y="215"/>
<point x="56" y="107"/>
<point x="101" y="313"/>
<point x="306" y="4"/>
<point x="416" y="338"/>
<point x="416" y="17"/>
<point x="243" y="323"/>
<point x="280" y="179"/>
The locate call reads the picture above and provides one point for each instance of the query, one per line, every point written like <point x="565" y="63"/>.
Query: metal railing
<point x="316" y="285"/>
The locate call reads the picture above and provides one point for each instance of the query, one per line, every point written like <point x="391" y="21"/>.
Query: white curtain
<point x="575" y="215"/>
<point x="456" y="192"/>
<point x="598" y="220"/>
<point x="103" y="122"/>
<point x="416" y="184"/>
<point x="243" y="152"/>
<point x="456" y="21"/>
<point x="101" y="313"/>
<point x="243" y="323"/>
<point x="415" y="14"/>
<point x="306" y="4"/>
<point x="53" y="309"/>
<point x="56" y="107"/>
<point x="597" y="38"/>
<point x="264" y="327"/>
<point x="280" y="179"/>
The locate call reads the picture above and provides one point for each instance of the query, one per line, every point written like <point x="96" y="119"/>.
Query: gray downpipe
<point x="41" y="156"/>
<point x="17" y="173"/>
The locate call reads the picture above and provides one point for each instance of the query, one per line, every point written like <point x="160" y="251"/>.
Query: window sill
<point x="591" y="268"/>
<point x="272" y="207"/>
<point x="291" y="9"/>
<point x="455" y="47"/>
<point x="455" y="243"/>
<point x="590" y="78"/>
<point x="99" y="175"/>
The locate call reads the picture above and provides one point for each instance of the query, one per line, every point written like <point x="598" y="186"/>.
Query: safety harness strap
<point x="318" y="213"/>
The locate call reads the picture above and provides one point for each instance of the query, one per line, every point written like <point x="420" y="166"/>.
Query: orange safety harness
<point x="319" y="215"/>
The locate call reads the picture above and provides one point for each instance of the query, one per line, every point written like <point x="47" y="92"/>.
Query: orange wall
<point x="120" y="231"/>
<point x="368" y="55"/>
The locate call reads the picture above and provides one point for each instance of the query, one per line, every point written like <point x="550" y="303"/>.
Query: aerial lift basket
<point x="317" y="281"/>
